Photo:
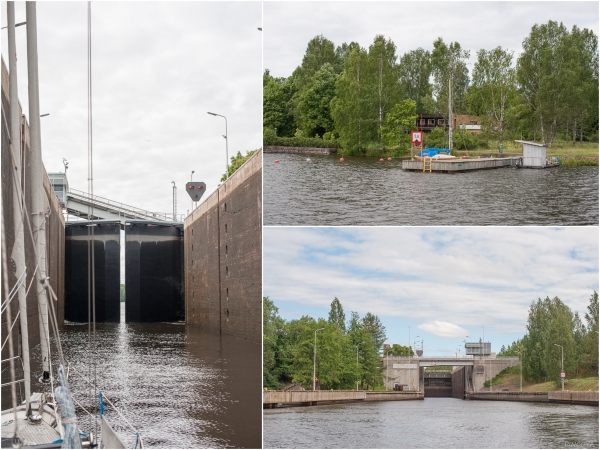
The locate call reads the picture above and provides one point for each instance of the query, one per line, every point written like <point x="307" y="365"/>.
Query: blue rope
<point x="137" y="438"/>
<point x="101" y="404"/>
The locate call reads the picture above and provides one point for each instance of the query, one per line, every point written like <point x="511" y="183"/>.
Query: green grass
<point x="510" y="377"/>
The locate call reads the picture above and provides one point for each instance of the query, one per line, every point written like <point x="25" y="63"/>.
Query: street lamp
<point x="562" y="380"/>
<point x="314" y="357"/>
<point x="191" y="179"/>
<point x="226" y="144"/>
<point x="519" y="352"/>
<point x="388" y="372"/>
<point x="174" y="202"/>
<point x="356" y="345"/>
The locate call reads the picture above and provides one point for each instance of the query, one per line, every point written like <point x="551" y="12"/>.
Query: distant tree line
<point x="369" y="99"/>
<point x="288" y="349"/>
<point x="551" y="323"/>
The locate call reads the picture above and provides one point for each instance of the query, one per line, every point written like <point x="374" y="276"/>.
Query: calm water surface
<point x="433" y="423"/>
<point x="181" y="386"/>
<point x="364" y="191"/>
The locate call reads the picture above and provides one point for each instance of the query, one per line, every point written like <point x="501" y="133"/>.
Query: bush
<point x="297" y="141"/>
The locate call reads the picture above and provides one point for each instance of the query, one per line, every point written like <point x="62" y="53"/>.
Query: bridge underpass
<point x="466" y="374"/>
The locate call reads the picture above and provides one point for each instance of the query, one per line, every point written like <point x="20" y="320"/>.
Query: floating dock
<point x="457" y="165"/>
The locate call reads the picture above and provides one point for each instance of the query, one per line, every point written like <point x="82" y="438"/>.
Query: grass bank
<point x="510" y="379"/>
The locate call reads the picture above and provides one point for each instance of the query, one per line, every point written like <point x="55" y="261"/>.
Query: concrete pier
<point x="311" y="398"/>
<point x="572" y="398"/>
<point x="458" y="165"/>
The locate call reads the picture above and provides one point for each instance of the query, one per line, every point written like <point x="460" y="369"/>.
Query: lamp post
<point x="226" y="145"/>
<point x="174" y="202"/>
<point x="356" y="345"/>
<point x="409" y="371"/>
<point x="192" y="179"/>
<point x="562" y="380"/>
<point x="388" y="370"/>
<point x="520" y="357"/>
<point x="315" y="360"/>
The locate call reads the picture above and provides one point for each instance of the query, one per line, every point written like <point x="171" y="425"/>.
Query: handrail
<point x="128" y="209"/>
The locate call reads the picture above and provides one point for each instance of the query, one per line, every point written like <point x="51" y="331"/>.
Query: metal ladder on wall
<point x="426" y="166"/>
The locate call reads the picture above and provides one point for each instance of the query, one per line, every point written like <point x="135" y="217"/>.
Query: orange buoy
<point x="276" y="160"/>
<point x="342" y="159"/>
<point x="390" y="158"/>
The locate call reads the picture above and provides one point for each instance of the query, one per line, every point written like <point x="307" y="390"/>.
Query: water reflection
<point x="183" y="387"/>
<point x="364" y="191"/>
<point x="433" y="423"/>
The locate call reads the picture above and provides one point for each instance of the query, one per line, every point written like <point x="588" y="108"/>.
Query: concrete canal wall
<point x="310" y="398"/>
<point x="580" y="398"/>
<point x="223" y="256"/>
<point x="301" y="150"/>
<point x="55" y="231"/>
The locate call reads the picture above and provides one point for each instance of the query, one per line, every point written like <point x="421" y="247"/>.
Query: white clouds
<point x="444" y="329"/>
<point x="464" y="276"/>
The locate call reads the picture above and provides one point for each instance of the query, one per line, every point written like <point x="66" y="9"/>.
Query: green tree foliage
<point x="237" y="161"/>
<point x="376" y="329"/>
<point x="414" y="75"/>
<point x="319" y="51"/>
<point x="399" y="350"/>
<point x="277" y="104"/>
<point x="336" y="315"/>
<point x="494" y="85"/>
<point x="383" y="79"/>
<point x="551" y="324"/>
<point x="591" y="338"/>
<point x="558" y="76"/>
<point x="349" y="107"/>
<point x="398" y="123"/>
<point x="313" y="106"/>
<point x="449" y="68"/>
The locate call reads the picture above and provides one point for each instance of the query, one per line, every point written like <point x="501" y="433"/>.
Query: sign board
<point x="563" y="375"/>
<point x="195" y="189"/>
<point x="404" y="366"/>
<point x="416" y="137"/>
<point x="479" y="369"/>
<point x="433" y="363"/>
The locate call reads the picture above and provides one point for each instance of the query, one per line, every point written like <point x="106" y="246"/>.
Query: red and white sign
<point x="416" y="137"/>
<point x="563" y="375"/>
<point x="433" y="363"/>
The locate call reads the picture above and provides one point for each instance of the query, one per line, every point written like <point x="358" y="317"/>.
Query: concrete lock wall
<point x="223" y="256"/>
<point x="153" y="272"/>
<point x="107" y="271"/>
<point x="55" y="227"/>
<point x="491" y="368"/>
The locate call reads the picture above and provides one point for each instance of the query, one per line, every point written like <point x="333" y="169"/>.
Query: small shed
<point x="534" y="154"/>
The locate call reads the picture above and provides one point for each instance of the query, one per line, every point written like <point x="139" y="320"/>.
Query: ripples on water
<point x="183" y="387"/>
<point x="364" y="191"/>
<point x="433" y="423"/>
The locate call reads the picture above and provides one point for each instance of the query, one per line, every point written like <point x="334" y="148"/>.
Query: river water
<point x="364" y="191"/>
<point x="183" y="387"/>
<point x="433" y="423"/>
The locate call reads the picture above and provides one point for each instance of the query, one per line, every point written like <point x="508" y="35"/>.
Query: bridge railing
<point x="119" y="207"/>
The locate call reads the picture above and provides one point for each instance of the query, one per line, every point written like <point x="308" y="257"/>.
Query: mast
<point x="18" y="251"/>
<point x="39" y="202"/>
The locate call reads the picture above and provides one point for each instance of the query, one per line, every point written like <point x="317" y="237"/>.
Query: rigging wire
<point x="91" y="259"/>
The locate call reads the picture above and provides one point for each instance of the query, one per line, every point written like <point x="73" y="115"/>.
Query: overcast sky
<point x="289" y="26"/>
<point x="445" y="283"/>
<point x="158" y="67"/>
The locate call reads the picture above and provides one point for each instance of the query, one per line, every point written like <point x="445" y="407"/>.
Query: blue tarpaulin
<point x="429" y="152"/>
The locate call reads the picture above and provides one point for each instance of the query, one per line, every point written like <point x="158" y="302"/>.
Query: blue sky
<point x="444" y="283"/>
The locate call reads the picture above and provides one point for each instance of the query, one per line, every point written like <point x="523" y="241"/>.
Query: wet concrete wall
<point x="153" y="272"/>
<point x="223" y="256"/>
<point x="106" y="271"/>
<point x="458" y="383"/>
<point x="55" y="227"/>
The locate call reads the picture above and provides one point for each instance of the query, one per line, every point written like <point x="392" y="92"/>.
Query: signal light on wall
<point x="195" y="191"/>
